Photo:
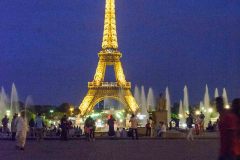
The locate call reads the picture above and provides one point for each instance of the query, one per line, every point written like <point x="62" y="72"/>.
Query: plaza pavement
<point x="105" y="149"/>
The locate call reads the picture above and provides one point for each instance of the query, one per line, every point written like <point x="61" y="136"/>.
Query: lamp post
<point x="51" y="112"/>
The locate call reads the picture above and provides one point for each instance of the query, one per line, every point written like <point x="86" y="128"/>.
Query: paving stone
<point x="147" y="149"/>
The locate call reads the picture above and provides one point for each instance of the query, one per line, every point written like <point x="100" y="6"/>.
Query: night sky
<point x="49" y="47"/>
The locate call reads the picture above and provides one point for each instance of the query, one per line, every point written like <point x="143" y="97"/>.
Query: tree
<point x="64" y="107"/>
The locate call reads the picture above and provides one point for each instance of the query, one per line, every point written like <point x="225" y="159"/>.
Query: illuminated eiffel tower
<point x="98" y="90"/>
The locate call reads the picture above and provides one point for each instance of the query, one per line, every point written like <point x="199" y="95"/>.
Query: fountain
<point x="181" y="114"/>
<point x="28" y="104"/>
<point x="202" y="107"/>
<point x="143" y="106"/>
<point x="137" y="95"/>
<point x="4" y="101"/>
<point x="225" y="99"/>
<point x="185" y="101"/>
<point x="168" y="105"/>
<point x="150" y="100"/>
<point x="207" y="107"/>
<point x="216" y="93"/>
<point x="14" y="107"/>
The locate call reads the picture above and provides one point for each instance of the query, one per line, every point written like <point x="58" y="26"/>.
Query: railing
<point x="108" y="84"/>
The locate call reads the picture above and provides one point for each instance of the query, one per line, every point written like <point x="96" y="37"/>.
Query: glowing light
<point x="197" y="112"/>
<point x="95" y="114"/>
<point x="99" y="123"/>
<point x="141" y="116"/>
<point x="8" y="113"/>
<point x="227" y="107"/>
<point x="180" y="115"/>
<point x="183" y="125"/>
<point x="118" y="115"/>
<point x="51" y="111"/>
<point x="210" y="110"/>
<point x="109" y="55"/>
<point x="110" y="33"/>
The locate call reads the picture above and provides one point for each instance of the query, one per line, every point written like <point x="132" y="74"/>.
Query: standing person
<point x="14" y="126"/>
<point x="134" y="124"/>
<point x="198" y="122"/>
<point x="148" y="128"/>
<point x="189" y="122"/>
<point x="163" y="130"/>
<point x="64" y="127"/>
<point x="227" y="128"/>
<point x="110" y="122"/>
<point x="201" y="122"/>
<point x="22" y="129"/>
<point x="90" y="128"/>
<point x="151" y="126"/>
<point x="32" y="127"/>
<point x="118" y="133"/>
<point x="123" y="133"/>
<point x="39" y="126"/>
<point x="5" y="122"/>
<point x="236" y="111"/>
<point x="158" y="128"/>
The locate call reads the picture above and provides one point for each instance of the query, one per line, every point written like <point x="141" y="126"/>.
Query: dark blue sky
<point x="49" y="48"/>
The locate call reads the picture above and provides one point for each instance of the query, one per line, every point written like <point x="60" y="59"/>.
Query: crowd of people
<point x="228" y="126"/>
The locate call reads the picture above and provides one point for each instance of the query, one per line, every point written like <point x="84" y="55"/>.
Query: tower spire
<point x="110" y="33"/>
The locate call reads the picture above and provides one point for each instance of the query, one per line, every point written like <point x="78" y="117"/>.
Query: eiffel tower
<point x="109" y="55"/>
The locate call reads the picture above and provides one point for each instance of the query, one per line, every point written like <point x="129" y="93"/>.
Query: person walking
<point x="189" y="122"/>
<point x="22" y="128"/>
<point x="134" y="124"/>
<point x="39" y="126"/>
<point x="14" y="126"/>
